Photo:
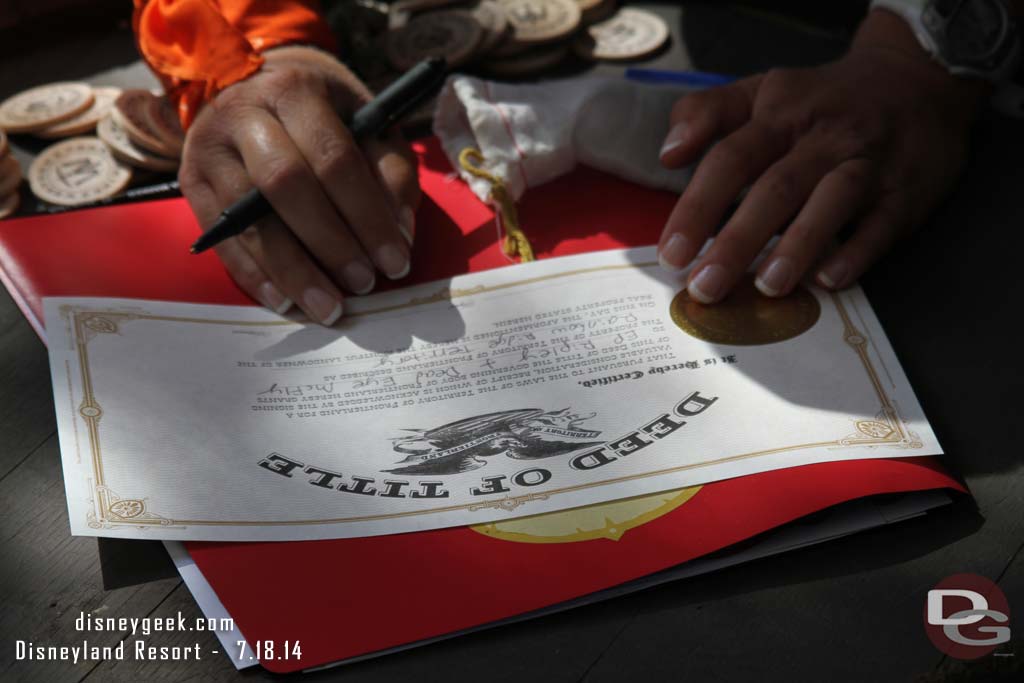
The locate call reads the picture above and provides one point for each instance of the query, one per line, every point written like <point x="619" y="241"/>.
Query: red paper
<point x="350" y="597"/>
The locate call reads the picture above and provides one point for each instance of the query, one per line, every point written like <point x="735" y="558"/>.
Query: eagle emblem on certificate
<point x="525" y="434"/>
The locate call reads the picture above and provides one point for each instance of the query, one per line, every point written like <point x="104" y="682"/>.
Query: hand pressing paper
<point x="490" y="396"/>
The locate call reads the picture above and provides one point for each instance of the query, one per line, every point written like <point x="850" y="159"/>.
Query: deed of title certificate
<point x="507" y="393"/>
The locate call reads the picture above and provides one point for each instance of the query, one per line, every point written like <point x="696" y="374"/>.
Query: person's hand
<point x="346" y="209"/>
<point x="872" y="140"/>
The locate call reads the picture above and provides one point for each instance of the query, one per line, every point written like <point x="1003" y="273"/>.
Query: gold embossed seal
<point x="746" y="317"/>
<point x="603" y="520"/>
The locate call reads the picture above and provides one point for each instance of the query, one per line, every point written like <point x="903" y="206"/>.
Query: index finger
<point x="700" y="117"/>
<point x="729" y="167"/>
<point x="346" y="177"/>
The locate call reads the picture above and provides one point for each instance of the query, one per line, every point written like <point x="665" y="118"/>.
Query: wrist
<point x="884" y="29"/>
<point x="300" y="52"/>
<point x="886" y="34"/>
<point x="314" y="58"/>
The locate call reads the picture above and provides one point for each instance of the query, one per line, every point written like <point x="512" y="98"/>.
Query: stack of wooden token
<point x="514" y="38"/>
<point x="10" y="179"/>
<point x="45" y="106"/>
<point x="452" y="34"/>
<point x="52" y="107"/>
<point x="84" y="122"/>
<point x="539" y="36"/>
<point x="503" y="37"/>
<point x="134" y="127"/>
<point x="143" y="130"/>
<point x="57" y="110"/>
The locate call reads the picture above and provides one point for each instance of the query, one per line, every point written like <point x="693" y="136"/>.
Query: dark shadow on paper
<point x="390" y="332"/>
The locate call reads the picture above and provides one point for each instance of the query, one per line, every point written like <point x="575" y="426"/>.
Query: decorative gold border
<point x="111" y="511"/>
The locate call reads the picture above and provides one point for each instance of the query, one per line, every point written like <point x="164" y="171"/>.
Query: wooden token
<point x="452" y="34"/>
<point x="126" y="151"/>
<point x="629" y="34"/>
<point x="530" y="62"/>
<point x="10" y="175"/>
<point x="9" y="204"/>
<point x="130" y="113"/>
<point x="77" y="171"/>
<point x="492" y="18"/>
<point x="44" y="106"/>
<point x="163" y="119"/>
<point x="541" y="21"/>
<point x="103" y="100"/>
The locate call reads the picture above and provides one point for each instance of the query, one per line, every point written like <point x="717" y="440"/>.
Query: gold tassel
<point x="515" y="242"/>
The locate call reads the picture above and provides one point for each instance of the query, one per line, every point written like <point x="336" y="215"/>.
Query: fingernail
<point x="774" y="279"/>
<point x="407" y="223"/>
<point x="322" y="305"/>
<point x="706" y="287"/>
<point x="273" y="299"/>
<point x="392" y="261"/>
<point x="672" y="256"/>
<point x="359" y="277"/>
<point x="833" y="275"/>
<point x="676" y="137"/>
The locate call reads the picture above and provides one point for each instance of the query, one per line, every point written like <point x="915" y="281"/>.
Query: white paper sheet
<point x="233" y="643"/>
<point x="506" y="393"/>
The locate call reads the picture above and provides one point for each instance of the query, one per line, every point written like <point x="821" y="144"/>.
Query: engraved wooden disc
<point x="746" y="317"/>
<point x="44" y="106"/>
<point x="541" y="21"/>
<point x="85" y="122"/>
<point x="629" y="34"/>
<point x="492" y="18"/>
<point x="130" y="113"/>
<point x="452" y="34"/>
<point x="163" y="120"/>
<point x="77" y="171"/>
<point x="127" y="151"/>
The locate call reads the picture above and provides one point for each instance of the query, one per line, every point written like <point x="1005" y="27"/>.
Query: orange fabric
<point x="200" y="47"/>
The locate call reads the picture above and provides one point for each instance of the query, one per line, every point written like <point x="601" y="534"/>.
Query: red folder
<point x="352" y="597"/>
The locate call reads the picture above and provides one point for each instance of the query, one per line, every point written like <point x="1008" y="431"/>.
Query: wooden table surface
<point x="847" y="610"/>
